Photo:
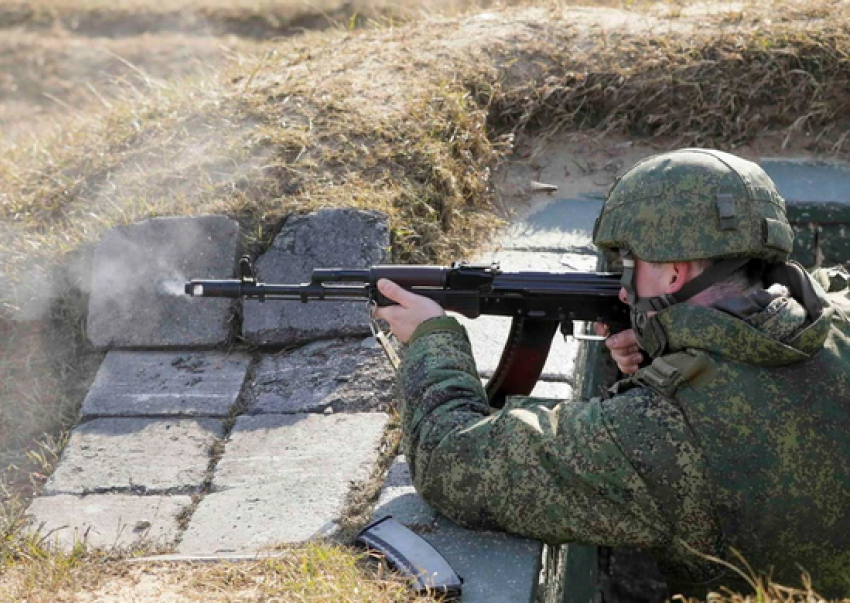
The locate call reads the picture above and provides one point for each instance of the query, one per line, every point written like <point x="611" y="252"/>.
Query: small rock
<point x="542" y="187"/>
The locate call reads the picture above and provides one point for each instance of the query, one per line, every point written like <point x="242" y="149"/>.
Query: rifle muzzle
<point x="211" y="288"/>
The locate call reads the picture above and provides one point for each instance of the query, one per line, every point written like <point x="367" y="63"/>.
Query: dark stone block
<point x="334" y="375"/>
<point x="330" y="238"/>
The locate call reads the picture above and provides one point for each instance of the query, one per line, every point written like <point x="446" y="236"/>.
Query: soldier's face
<point x="651" y="280"/>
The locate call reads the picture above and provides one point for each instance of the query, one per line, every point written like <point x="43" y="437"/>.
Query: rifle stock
<point x="537" y="301"/>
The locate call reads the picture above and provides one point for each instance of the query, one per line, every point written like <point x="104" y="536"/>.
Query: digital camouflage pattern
<point x="695" y="204"/>
<point x="750" y="450"/>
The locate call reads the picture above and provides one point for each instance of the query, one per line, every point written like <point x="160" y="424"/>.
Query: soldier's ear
<point x="676" y="274"/>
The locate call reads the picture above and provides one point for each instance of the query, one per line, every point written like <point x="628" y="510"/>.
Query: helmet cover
<point x="695" y="204"/>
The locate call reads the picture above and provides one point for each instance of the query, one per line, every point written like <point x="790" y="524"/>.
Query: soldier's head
<point x="690" y="224"/>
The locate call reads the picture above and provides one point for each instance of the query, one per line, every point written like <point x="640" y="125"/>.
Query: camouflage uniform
<point x="736" y="436"/>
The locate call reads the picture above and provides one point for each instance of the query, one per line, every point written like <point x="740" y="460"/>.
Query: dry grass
<point x="724" y="78"/>
<point x="260" y="19"/>
<point x="315" y="572"/>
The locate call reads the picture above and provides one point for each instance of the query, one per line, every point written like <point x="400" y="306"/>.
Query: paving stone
<point x="137" y="297"/>
<point x="266" y="448"/>
<point x="253" y="518"/>
<point x="283" y="478"/>
<point x="496" y="567"/>
<point x="340" y="375"/>
<point x="108" y="521"/>
<point x="139" y="455"/>
<point x="561" y="225"/>
<point x="137" y="384"/>
<point x="331" y="238"/>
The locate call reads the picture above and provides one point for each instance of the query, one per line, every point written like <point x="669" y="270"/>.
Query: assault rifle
<point x="538" y="303"/>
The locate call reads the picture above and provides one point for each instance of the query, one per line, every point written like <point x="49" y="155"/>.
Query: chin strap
<point x="650" y="334"/>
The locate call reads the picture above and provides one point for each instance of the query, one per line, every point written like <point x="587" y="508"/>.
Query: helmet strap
<point x="649" y="331"/>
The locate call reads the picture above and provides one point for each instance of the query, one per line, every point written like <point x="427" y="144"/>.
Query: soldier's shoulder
<point x="642" y="412"/>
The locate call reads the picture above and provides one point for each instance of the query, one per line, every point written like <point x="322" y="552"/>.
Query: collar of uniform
<point x="709" y="329"/>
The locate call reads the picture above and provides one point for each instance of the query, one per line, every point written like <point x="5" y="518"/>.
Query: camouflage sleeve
<point x="555" y="472"/>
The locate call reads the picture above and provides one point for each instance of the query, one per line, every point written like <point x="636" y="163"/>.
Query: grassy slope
<point x="408" y="120"/>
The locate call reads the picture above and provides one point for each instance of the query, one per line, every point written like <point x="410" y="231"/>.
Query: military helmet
<point x="695" y="204"/>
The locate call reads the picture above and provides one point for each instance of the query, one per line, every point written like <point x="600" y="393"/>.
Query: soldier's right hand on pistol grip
<point x="625" y="351"/>
<point x="410" y="312"/>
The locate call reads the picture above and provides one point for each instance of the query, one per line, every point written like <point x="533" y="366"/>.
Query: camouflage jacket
<point x="737" y="438"/>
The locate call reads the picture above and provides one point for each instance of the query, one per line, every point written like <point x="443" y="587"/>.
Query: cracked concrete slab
<point x="252" y="519"/>
<point x="139" y="455"/>
<point x="108" y="521"/>
<point x="189" y="384"/>
<point x="334" y="375"/>
<point x="330" y="238"/>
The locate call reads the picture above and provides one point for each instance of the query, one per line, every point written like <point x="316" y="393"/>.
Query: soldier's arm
<point x="555" y="472"/>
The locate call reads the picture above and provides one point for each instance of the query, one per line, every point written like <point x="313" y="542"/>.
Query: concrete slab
<point x="108" y="521"/>
<point x="252" y="519"/>
<point x="399" y="498"/>
<point x="138" y="384"/>
<point x="276" y="448"/>
<point x="331" y="238"/>
<point x="495" y="567"/>
<point x="283" y="479"/>
<point x="809" y="181"/>
<point x="138" y="455"/>
<point x="553" y="390"/>
<point x="550" y="390"/>
<point x="337" y="375"/>
<point x="137" y="297"/>
<point x="511" y="260"/>
<point x="560" y="225"/>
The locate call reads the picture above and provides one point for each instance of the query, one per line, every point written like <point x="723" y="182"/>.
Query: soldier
<point x="736" y="436"/>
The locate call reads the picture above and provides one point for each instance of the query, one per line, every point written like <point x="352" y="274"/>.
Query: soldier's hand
<point x="410" y="312"/>
<point x="625" y="351"/>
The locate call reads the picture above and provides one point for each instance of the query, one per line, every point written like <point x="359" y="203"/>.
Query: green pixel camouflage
<point x="750" y="451"/>
<point x="695" y="204"/>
